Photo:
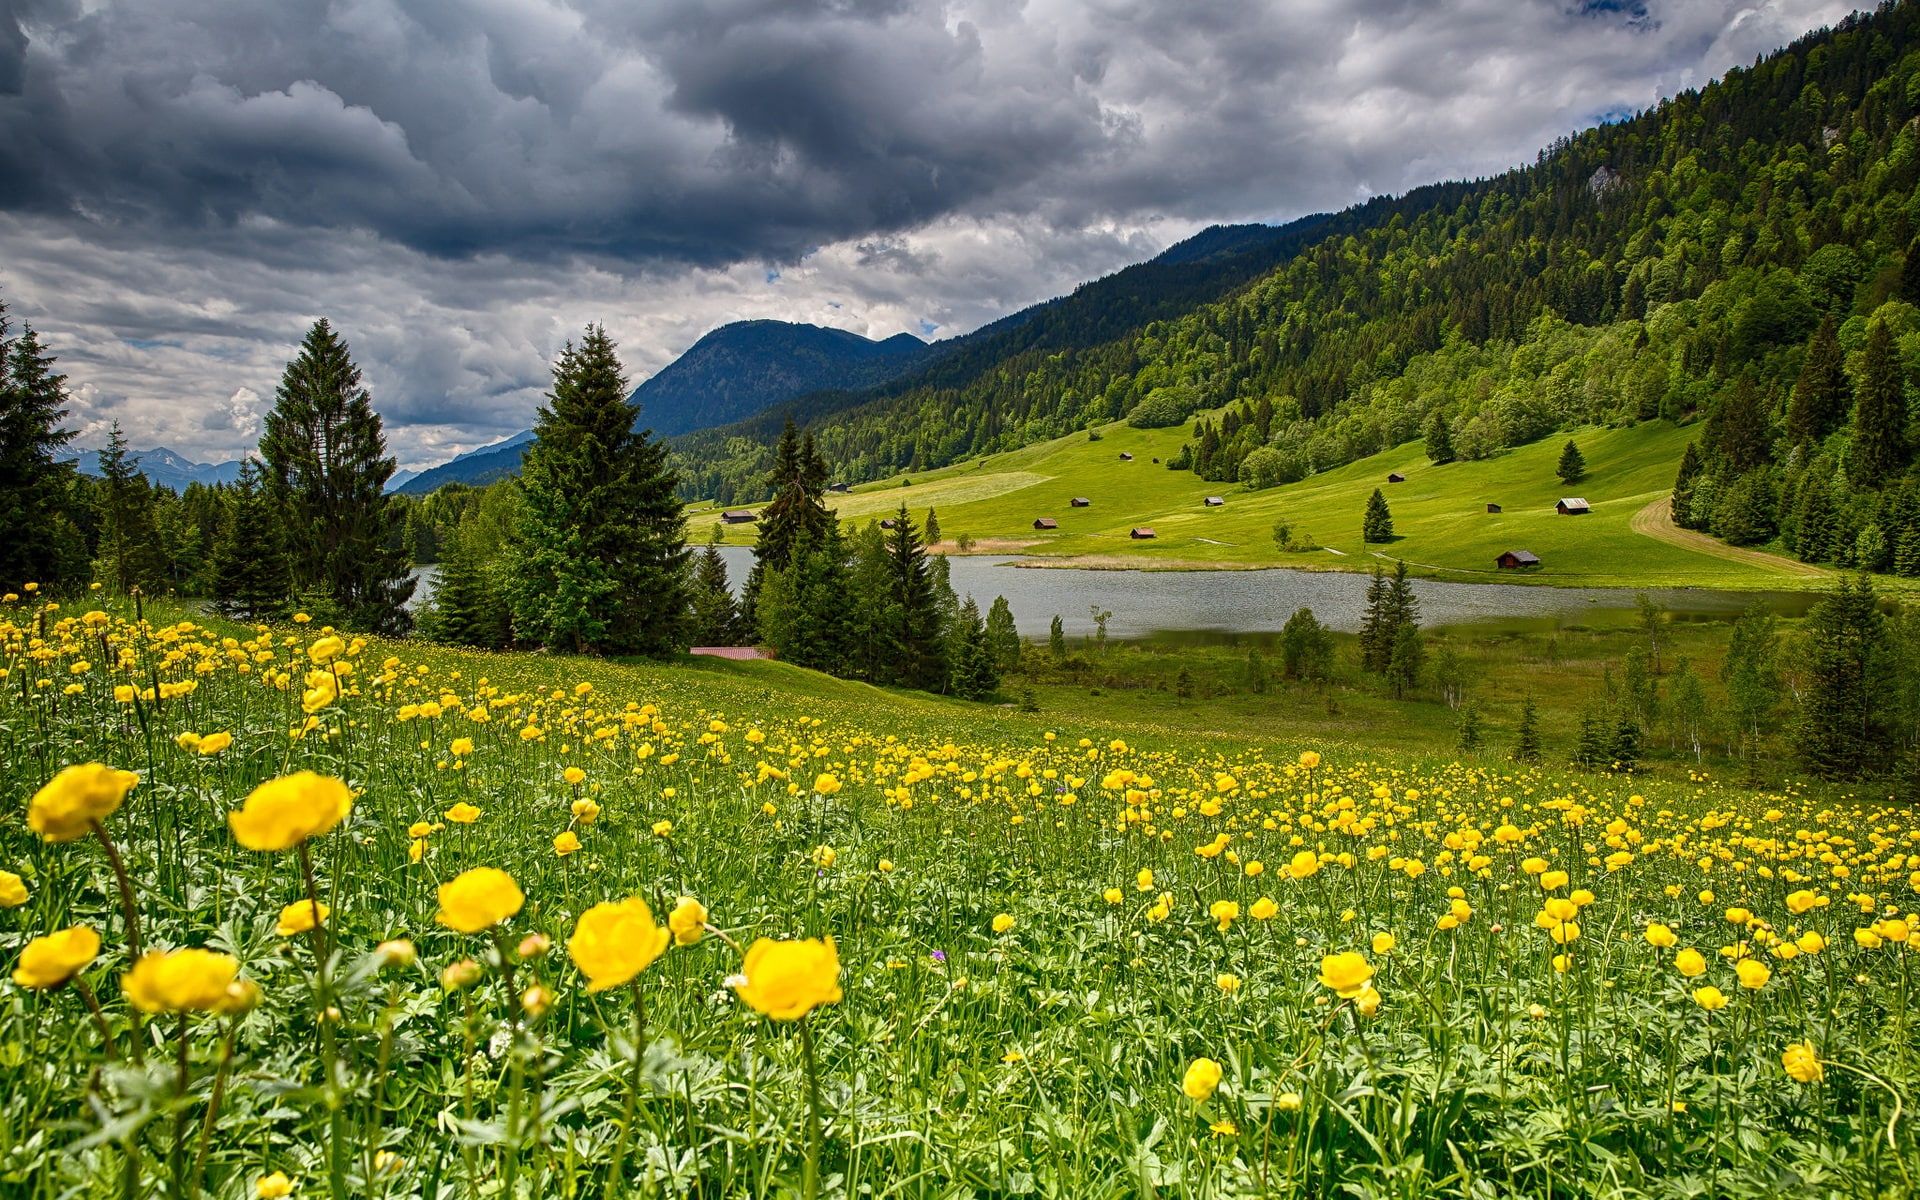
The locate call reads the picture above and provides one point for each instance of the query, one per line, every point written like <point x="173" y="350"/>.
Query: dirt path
<point x="1656" y="521"/>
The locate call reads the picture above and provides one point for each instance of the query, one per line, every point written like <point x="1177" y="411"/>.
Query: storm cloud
<point x="185" y="184"/>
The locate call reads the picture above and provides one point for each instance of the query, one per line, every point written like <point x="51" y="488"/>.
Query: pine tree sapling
<point x="1377" y="526"/>
<point x="1573" y="464"/>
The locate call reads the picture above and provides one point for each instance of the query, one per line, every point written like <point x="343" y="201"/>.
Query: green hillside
<point x="1441" y="523"/>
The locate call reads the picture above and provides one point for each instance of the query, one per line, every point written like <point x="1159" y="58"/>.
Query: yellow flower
<point x="1346" y="973"/>
<point x="397" y="952"/>
<point x="825" y="856"/>
<point x="1802" y="900"/>
<point x="688" y="920"/>
<point x="1710" y="998"/>
<point x="1003" y="923"/>
<point x="1661" y="936"/>
<point x="566" y="842"/>
<point x="463" y="814"/>
<point x="1303" y="864"/>
<point x="214" y="743"/>
<point x="1113" y="895"/>
<point x="586" y="812"/>
<point x="663" y="829"/>
<point x="180" y="981"/>
<point x="1811" y="942"/>
<point x="826" y="785"/>
<point x="1226" y="912"/>
<point x="52" y="959"/>
<point x="1143" y="882"/>
<point x="273" y="1187"/>
<point x="1013" y="1056"/>
<point x="1753" y="973"/>
<point x="1691" y="963"/>
<point x="479" y="899"/>
<point x="1368" y="1001"/>
<point x="1867" y="939"/>
<point x="1264" y="909"/>
<point x="460" y="747"/>
<point x="1224" y="1128"/>
<point x="281" y="813"/>
<point x="788" y="980"/>
<point x="326" y="650"/>
<point x="614" y="941"/>
<point x="1201" y="1080"/>
<point x="1309" y="759"/>
<point x="574" y="775"/>
<point x="301" y="916"/>
<point x="73" y="800"/>
<point x="1382" y="943"/>
<point x="458" y="975"/>
<point x="1802" y="1064"/>
<point x="13" y="890"/>
<point x="1227" y="982"/>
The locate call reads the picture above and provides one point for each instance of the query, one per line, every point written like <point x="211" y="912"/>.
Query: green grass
<point x="1442" y="526"/>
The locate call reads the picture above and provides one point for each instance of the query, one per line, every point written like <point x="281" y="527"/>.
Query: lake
<point x="1231" y="603"/>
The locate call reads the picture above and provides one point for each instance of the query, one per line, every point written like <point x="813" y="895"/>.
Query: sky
<point x="462" y="185"/>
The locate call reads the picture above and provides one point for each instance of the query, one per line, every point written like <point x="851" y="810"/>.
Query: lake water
<point x="1231" y="603"/>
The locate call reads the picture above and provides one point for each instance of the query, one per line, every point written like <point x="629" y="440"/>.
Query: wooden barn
<point x="1492" y="507"/>
<point x="1515" y="560"/>
<point x="1125" y="457"/>
<point x="888" y="523"/>
<point x="1081" y="502"/>
<point x="737" y="516"/>
<point x="1141" y="533"/>
<point x="1045" y="523"/>
<point x="1572" y="506"/>
<point x="1396" y="477"/>
<point x="1214" y="502"/>
<point x="839" y="487"/>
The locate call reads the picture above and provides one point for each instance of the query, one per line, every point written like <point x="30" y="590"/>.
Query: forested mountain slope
<point x="1679" y="264"/>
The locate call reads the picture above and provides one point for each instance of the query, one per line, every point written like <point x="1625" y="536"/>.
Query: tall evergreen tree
<point x="1690" y="467"/>
<point x="1377" y="526"/>
<point x="1737" y="434"/>
<point x="1376" y="625"/>
<point x="1527" y="744"/>
<point x="250" y="576"/>
<point x="913" y="626"/>
<point x="1439" y="439"/>
<point x="973" y="674"/>
<point x="326" y="472"/>
<point x="1880" y="412"/>
<point x="469" y="608"/>
<point x="1839" y="734"/>
<point x="40" y="544"/>
<point x="716" y="617"/>
<point x="1469" y="739"/>
<point x="1573" y="465"/>
<point x="930" y="528"/>
<point x="1821" y="394"/>
<point x="1003" y="637"/>
<point x="797" y="515"/>
<point x="129" y="552"/>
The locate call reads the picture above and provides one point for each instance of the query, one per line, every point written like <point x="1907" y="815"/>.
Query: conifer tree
<point x="1737" y="435"/>
<point x="1378" y="524"/>
<point x="1404" y="662"/>
<point x="1306" y="649"/>
<point x="1880" y="412"/>
<point x="931" y="527"/>
<point x="38" y="542"/>
<point x="1591" y="750"/>
<point x="913" y="626"/>
<point x="1527" y="747"/>
<point x="1376" y="626"/>
<point x="1470" y="738"/>
<point x="809" y="614"/>
<point x="716" y="617"/>
<point x="250" y="577"/>
<point x="1623" y="743"/>
<point x="468" y="607"/>
<point x="797" y="515"/>
<point x="326" y="474"/>
<point x="1573" y="465"/>
<point x="1839" y="734"/>
<point x="973" y="675"/>
<point x="1821" y="393"/>
<point x="601" y="560"/>
<point x="129" y="543"/>
<point x="1683" y="484"/>
<point x="1439" y="439"/>
<point x="1057" y="639"/>
<point x="1003" y="637"/>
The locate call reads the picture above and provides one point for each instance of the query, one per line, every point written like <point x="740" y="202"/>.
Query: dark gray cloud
<point x="460" y="184"/>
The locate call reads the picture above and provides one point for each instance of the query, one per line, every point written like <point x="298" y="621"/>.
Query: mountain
<point x="1675" y="264"/>
<point x="744" y="368"/>
<point x="475" y="468"/>
<point x="164" y="468"/>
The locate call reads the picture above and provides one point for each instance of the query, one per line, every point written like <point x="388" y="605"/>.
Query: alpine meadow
<point x="574" y="624"/>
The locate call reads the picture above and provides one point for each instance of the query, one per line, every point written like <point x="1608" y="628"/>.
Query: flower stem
<point x="810" y="1182"/>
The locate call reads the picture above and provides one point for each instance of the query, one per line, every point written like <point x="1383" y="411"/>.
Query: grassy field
<point x="1071" y="955"/>
<point x="1440" y="517"/>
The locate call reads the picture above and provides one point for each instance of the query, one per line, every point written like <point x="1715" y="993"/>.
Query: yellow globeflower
<point x="326" y="650"/>
<point x="180" y="981"/>
<point x="1691" y="963"/>
<point x="1201" y="1080"/>
<point x="574" y="775"/>
<point x="300" y="917"/>
<point x="1309" y="759"/>
<point x="1264" y="909"/>
<point x="281" y="813"/>
<point x="614" y="941"/>
<point x="1802" y="1064"/>
<point x="788" y="980"/>
<point x="52" y="959"/>
<point x="1753" y="973"/>
<point x="460" y="747"/>
<point x="273" y="1187"/>
<point x="13" y="890"/>
<point x="826" y="785"/>
<point x="463" y="814"/>
<point x="478" y="899"/>
<point x="688" y="920"/>
<point x="214" y="743"/>
<point x="1303" y="864"/>
<point x="1710" y="998"/>
<point x="1347" y="973"/>
<point x="1382" y="943"/>
<point x="566" y="842"/>
<point x="1661" y="936"/>
<point x="73" y="800"/>
<point x="1003" y="923"/>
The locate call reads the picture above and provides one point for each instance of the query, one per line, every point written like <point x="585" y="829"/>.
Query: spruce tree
<point x="1376" y="624"/>
<point x="1527" y="747"/>
<point x="972" y="675"/>
<point x="1003" y="637"/>
<point x="326" y="474"/>
<point x="797" y="515"/>
<point x="250" y="576"/>
<point x="913" y="625"/>
<point x="1880" y="412"/>
<point x="931" y="527"/>
<point x="716" y="617"/>
<point x="1573" y="464"/>
<point x="40" y="543"/>
<point x="129" y="542"/>
<point x="1821" y="393"/>
<point x="1839" y="734"/>
<point x="1592" y="750"/>
<point x="1737" y="434"/>
<point x="601" y="560"/>
<point x="1470" y="737"/>
<point x="1683" y="483"/>
<point x="468" y="607"/>
<point x="1057" y="639"/>
<point x="1378" y="523"/>
<point x="1623" y="743"/>
<point x="1306" y="649"/>
<point x="1404" y="662"/>
<point x="1439" y="439"/>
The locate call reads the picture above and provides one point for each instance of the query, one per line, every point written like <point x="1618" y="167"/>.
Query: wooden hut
<point x="737" y="516"/>
<point x="1396" y="477"/>
<point x="1141" y="533"/>
<point x="1081" y="502"/>
<point x="1125" y="457"/>
<point x="1572" y="506"/>
<point x="1492" y="507"/>
<point x="839" y="487"/>
<point x="888" y="523"/>
<point x="1045" y="523"/>
<point x="1514" y="560"/>
<point x="1214" y="502"/>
